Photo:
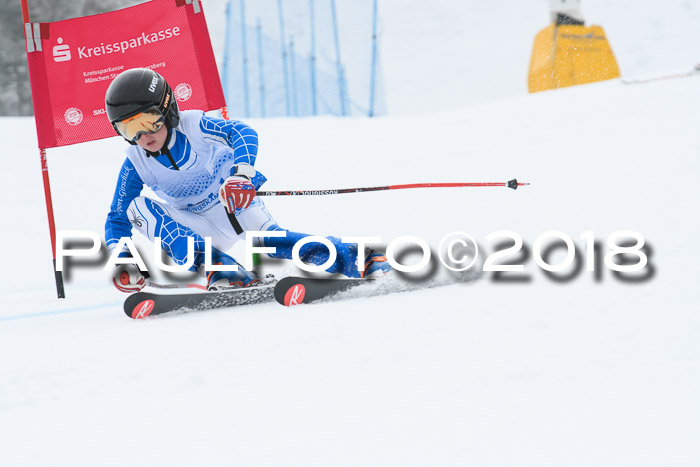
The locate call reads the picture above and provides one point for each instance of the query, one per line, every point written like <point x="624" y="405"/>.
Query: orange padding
<point x="567" y="55"/>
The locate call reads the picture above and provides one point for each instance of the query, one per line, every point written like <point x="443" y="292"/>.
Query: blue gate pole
<point x="246" y="98"/>
<point x="314" y="109"/>
<point x="373" y="66"/>
<point x="285" y="71"/>
<point x="341" y="90"/>
<point x="261" y="68"/>
<point x="293" y="72"/>
<point x="227" y="46"/>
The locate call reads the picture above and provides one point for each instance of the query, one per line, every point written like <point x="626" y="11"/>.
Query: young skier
<point x="201" y="167"/>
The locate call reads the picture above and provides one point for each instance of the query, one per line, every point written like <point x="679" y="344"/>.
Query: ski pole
<point x="514" y="184"/>
<point x="175" y="286"/>
<point x="685" y="74"/>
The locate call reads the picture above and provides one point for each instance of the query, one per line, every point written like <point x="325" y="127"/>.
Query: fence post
<point x="293" y="72"/>
<point x="373" y="66"/>
<point x="341" y="90"/>
<point x="225" y="73"/>
<point x="261" y="68"/>
<point x="285" y="71"/>
<point x="314" y="109"/>
<point x="246" y="98"/>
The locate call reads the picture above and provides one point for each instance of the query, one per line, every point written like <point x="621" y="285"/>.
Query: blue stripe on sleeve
<point x="236" y="134"/>
<point x="129" y="186"/>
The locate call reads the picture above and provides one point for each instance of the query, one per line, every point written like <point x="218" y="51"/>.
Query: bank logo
<point x="183" y="92"/>
<point x="61" y="52"/>
<point x="73" y="116"/>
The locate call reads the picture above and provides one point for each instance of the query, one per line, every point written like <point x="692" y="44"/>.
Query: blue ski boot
<point x="222" y="280"/>
<point x="376" y="265"/>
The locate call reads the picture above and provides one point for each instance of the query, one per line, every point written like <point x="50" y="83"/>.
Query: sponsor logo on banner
<point x="73" y="116"/>
<point x="61" y="52"/>
<point x="128" y="43"/>
<point x="183" y="92"/>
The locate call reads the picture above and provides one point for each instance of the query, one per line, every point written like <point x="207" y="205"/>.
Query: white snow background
<point x="583" y="372"/>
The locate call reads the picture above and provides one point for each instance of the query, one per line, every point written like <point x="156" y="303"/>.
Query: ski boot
<point x="376" y="265"/>
<point x="222" y="280"/>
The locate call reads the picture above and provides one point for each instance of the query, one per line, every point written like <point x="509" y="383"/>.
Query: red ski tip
<point x="143" y="309"/>
<point x="295" y="295"/>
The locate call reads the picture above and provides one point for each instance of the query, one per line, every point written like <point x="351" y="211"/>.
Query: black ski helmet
<point x="139" y="89"/>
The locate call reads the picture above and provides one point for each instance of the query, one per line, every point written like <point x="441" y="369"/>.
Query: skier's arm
<point x="129" y="186"/>
<point x="244" y="142"/>
<point x="235" y="134"/>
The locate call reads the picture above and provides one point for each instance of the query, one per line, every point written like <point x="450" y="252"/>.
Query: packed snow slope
<point x="592" y="369"/>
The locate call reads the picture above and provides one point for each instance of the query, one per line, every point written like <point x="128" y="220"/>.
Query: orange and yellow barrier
<point x="566" y="55"/>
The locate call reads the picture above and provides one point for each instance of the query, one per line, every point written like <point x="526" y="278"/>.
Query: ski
<point x="293" y="290"/>
<point x="143" y="304"/>
<point x="287" y="291"/>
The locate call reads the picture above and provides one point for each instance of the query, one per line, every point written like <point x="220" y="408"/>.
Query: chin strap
<point x="165" y="151"/>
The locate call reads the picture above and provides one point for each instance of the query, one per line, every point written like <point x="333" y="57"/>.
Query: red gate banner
<point x="72" y="62"/>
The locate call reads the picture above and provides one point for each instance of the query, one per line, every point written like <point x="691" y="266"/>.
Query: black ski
<point x="143" y="304"/>
<point x="297" y="290"/>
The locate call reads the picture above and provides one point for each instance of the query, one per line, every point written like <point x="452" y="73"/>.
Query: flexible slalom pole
<point x="58" y="275"/>
<point x="514" y="184"/>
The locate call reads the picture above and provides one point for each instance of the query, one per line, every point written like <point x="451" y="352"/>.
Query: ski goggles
<point x="146" y="122"/>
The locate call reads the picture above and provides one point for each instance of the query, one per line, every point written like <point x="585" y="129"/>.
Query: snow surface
<point x="582" y="372"/>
